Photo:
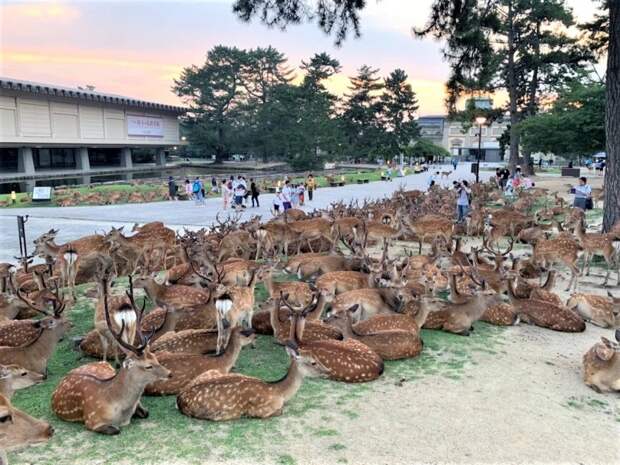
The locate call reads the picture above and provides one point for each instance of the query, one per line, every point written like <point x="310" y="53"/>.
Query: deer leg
<point x="610" y="263"/>
<point x="140" y="412"/>
<point x="109" y="430"/>
<point x="309" y="245"/>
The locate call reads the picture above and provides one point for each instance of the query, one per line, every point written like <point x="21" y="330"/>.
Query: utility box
<point x="474" y="168"/>
<point x="571" y="172"/>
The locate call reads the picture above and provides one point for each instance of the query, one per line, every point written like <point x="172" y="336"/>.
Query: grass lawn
<point x="169" y="435"/>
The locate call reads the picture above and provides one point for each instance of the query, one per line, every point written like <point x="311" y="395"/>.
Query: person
<point x="498" y="177"/>
<point x="570" y="164"/>
<point x="197" y="191"/>
<point x="239" y="195"/>
<point x="516" y="178"/>
<point x="277" y="201"/>
<point x="300" y="193"/>
<point x="432" y="178"/>
<point x="540" y="162"/>
<point x="241" y="180"/>
<point x="225" y="193"/>
<point x="462" y="200"/>
<point x="294" y="196"/>
<point x="255" y="192"/>
<point x="172" y="188"/>
<point x="389" y="172"/>
<point x="505" y="176"/>
<point x="310" y="186"/>
<point x="455" y="162"/>
<point x="214" y="185"/>
<point x="583" y="194"/>
<point x="286" y="196"/>
<point x="188" y="189"/>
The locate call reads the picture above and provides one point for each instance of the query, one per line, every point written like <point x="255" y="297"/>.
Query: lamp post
<point x="480" y="120"/>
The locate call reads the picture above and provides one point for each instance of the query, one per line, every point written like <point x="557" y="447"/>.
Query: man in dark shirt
<point x="504" y="179"/>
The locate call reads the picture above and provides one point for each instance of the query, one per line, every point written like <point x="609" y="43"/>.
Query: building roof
<point x="83" y="94"/>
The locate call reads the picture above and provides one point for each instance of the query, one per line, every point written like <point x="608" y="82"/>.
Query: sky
<point x="137" y="48"/>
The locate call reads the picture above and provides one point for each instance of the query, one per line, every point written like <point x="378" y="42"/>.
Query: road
<point x="75" y="222"/>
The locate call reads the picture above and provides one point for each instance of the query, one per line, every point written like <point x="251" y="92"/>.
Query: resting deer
<point x="545" y="314"/>
<point x="103" y="399"/>
<point x="349" y="360"/>
<point x="601" y="365"/>
<point x="14" y="377"/>
<point x="35" y="353"/>
<point x="599" y="310"/>
<point x="218" y="397"/>
<point x="336" y="282"/>
<point x="371" y="302"/>
<point x="390" y="344"/>
<point x="185" y="367"/>
<point x="18" y="429"/>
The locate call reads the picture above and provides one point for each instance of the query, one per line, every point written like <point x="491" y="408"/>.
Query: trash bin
<point x="474" y="167"/>
<point x="571" y="172"/>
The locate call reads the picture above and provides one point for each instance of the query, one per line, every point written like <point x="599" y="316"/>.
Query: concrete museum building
<point x="52" y="131"/>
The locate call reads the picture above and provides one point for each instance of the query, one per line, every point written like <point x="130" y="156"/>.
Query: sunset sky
<point x="138" y="48"/>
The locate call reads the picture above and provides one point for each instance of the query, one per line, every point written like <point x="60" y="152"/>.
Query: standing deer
<point x="597" y="244"/>
<point x="103" y="399"/>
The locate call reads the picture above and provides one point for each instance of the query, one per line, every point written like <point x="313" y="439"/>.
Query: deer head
<point x="18" y="429"/>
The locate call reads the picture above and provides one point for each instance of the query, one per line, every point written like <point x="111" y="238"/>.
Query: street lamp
<point x="480" y="121"/>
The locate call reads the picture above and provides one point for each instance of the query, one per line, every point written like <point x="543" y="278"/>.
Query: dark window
<point x="104" y="157"/>
<point x="143" y="155"/>
<point x="8" y="159"/>
<point x="50" y="159"/>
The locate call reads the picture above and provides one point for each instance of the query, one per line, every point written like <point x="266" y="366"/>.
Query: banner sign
<point x="145" y="126"/>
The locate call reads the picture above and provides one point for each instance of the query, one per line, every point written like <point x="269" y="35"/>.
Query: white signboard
<point x="42" y="193"/>
<point x="145" y="126"/>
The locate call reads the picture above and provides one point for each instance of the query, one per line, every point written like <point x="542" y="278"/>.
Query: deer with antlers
<point x="185" y="367"/>
<point x="601" y="365"/>
<point x="106" y="400"/>
<point x="561" y="249"/>
<point x="34" y="353"/>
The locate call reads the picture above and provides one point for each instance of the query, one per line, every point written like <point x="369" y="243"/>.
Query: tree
<point x="611" y="213"/>
<point x="399" y="104"/>
<point x="361" y="115"/>
<point x="214" y="94"/>
<point x="579" y="110"/>
<point x="426" y="149"/>
<point x="520" y="46"/>
<point x="339" y="16"/>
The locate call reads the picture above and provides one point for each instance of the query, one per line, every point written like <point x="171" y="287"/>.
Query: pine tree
<point x="399" y="107"/>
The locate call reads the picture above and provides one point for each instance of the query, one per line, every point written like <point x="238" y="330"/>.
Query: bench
<point x="363" y="181"/>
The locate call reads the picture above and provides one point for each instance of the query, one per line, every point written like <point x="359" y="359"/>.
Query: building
<point x="50" y="130"/>
<point x="462" y="143"/>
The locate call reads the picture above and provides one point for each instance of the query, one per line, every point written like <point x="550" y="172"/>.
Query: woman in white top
<point x="583" y="192"/>
<point x="225" y="194"/>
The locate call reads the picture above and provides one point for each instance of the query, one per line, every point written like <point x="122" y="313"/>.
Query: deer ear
<point x="128" y="363"/>
<point x="617" y="334"/>
<point x="353" y="308"/>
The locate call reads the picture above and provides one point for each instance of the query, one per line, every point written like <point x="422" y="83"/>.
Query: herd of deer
<point x="340" y="318"/>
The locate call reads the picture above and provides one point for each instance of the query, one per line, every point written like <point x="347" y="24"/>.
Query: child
<point x="300" y="192"/>
<point x="277" y="201"/>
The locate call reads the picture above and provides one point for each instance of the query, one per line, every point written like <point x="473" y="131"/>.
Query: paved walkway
<point x="74" y="222"/>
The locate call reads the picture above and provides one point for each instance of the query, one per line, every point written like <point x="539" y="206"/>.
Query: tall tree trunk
<point x="528" y="169"/>
<point x="512" y="92"/>
<point x="611" y="212"/>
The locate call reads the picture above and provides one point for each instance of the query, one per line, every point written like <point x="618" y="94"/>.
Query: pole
<point x="478" y="154"/>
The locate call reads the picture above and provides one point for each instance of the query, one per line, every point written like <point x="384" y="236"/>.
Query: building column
<point x="160" y="158"/>
<point x="126" y="160"/>
<point x="25" y="161"/>
<point x="83" y="163"/>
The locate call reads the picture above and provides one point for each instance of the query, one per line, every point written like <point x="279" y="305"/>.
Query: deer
<point x="188" y="341"/>
<point x="34" y="354"/>
<point x="458" y="316"/>
<point x="546" y="315"/>
<point x="428" y="227"/>
<point x="6" y="271"/>
<point x="601" y="365"/>
<point x="336" y="282"/>
<point x="371" y="301"/>
<point x="185" y="367"/>
<point x="599" y="310"/>
<point x="561" y="249"/>
<point x="597" y="244"/>
<point x="307" y="267"/>
<point x="14" y="377"/>
<point x="389" y="344"/>
<point x="349" y="360"/>
<point x="18" y="429"/>
<point x="219" y="397"/>
<point x="100" y="397"/>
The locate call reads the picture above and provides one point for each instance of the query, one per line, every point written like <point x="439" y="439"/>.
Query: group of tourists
<point x="235" y="192"/>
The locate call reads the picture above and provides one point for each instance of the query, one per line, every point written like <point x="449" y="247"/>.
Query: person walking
<point x="301" y="193"/>
<point x="188" y="189"/>
<point x="225" y="193"/>
<point x="255" y="192"/>
<point x="277" y="202"/>
<point x="310" y="186"/>
<point x="286" y="196"/>
<point x="583" y="195"/>
<point x="455" y="163"/>
<point x="197" y="191"/>
<point x="172" y="188"/>
<point x="432" y="179"/>
<point x="462" y="200"/>
<point x="214" y="185"/>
